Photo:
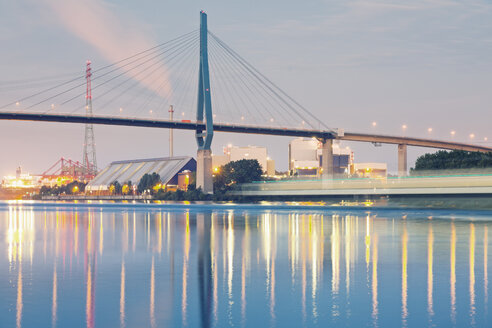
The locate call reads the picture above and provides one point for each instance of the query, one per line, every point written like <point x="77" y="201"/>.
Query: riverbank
<point x="426" y="207"/>
<point x="96" y="197"/>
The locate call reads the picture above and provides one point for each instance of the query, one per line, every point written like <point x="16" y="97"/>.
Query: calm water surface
<point x="110" y="265"/>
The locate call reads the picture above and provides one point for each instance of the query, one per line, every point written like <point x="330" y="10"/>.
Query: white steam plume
<point x="94" y="22"/>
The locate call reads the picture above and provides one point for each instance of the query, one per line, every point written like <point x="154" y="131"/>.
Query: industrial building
<point x="370" y="170"/>
<point x="173" y="171"/>
<point x="305" y="158"/>
<point x="60" y="173"/>
<point x="234" y="153"/>
<point x="21" y="180"/>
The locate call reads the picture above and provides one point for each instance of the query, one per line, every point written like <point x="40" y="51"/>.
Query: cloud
<point x="96" y="23"/>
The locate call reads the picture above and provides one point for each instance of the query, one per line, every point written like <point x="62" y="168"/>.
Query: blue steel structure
<point x="204" y="103"/>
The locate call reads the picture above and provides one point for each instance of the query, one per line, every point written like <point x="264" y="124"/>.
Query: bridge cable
<point x="128" y="70"/>
<point x="193" y="72"/>
<point x="96" y="78"/>
<point x="94" y="71"/>
<point x="258" y="79"/>
<point x="136" y="83"/>
<point x="247" y="86"/>
<point x="133" y="77"/>
<point x="264" y="94"/>
<point x="174" y="87"/>
<point x="233" y="67"/>
<point x="244" y="62"/>
<point x="166" y="82"/>
<point x="215" y="60"/>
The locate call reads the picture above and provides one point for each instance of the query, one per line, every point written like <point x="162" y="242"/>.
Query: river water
<point x="158" y="265"/>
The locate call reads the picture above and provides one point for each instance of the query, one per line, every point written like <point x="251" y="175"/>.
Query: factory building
<point x="173" y="171"/>
<point x="234" y="153"/>
<point x="305" y="158"/>
<point x="371" y="170"/>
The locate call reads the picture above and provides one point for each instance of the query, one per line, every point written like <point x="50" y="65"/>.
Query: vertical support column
<point x="204" y="171"/>
<point x="402" y="160"/>
<point x="171" y="141"/>
<point x="327" y="154"/>
<point x="204" y="135"/>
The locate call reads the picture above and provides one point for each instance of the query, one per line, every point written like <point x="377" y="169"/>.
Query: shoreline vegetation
<point x="230" y="176"/>
<point x="226" y="178"/>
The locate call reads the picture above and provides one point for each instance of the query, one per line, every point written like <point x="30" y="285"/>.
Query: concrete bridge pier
<point x="204" y="177"/>
<point x="327" y="159"/>
<point x="402" y="160"/>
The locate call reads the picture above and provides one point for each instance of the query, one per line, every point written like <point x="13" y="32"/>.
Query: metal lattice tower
<point x="89" y="155"/>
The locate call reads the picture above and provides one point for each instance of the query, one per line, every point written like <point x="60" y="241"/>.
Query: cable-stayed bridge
<point x="231" y="96"/>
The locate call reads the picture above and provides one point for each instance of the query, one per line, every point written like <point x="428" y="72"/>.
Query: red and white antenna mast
<point x="89" y="155"/>
<point x="88" y="74"/>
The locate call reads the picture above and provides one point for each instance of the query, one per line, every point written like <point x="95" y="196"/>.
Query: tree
<point x="236" y="172"/>
<point x="73" y="187"/>
<point x="127" y="188"/>
<point x="115" y="188"/>
<point x="148" y="181"/>
<point x="455" y="159"/>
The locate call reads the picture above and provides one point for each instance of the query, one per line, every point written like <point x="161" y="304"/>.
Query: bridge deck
<point x="240" y="128"/>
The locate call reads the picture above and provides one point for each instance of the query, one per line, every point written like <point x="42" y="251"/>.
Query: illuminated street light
<point x="485" y="138"/>
<point x="374" y="124"/>
<point x="472" y="135"/>
<point x="429" y="130"/>
<point x="453" y="133"/>
<point x="404" y="128"/>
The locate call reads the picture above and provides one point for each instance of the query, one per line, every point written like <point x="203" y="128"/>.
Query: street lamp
<point x="472" y="135"/>
<point x="404" y="128"/>
<point x="429" y="130"/>
<point x="374" y="124"/>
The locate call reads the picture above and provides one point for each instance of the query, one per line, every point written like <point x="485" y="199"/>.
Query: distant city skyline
<point x="416" y="68"/>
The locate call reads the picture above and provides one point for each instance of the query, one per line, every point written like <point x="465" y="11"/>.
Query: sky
<point x="423" y="64"/>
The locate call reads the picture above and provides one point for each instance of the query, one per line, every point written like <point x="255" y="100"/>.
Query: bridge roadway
<point x="236" y="128"/>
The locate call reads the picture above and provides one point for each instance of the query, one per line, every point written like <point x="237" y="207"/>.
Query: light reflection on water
<point x="111" y="266"/>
